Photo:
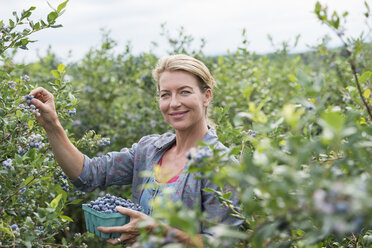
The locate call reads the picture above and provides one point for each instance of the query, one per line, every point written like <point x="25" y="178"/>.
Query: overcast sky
<point x="219" y="22"/>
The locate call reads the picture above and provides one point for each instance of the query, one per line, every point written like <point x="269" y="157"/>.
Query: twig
<point x="353" y="67"/>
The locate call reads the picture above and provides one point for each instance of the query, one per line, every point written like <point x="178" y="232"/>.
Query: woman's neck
<point x="186" y="139"/>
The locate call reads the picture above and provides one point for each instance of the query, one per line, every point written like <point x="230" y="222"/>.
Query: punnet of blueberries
<point x="108" y="204"/>
<point x="102" y="212"/>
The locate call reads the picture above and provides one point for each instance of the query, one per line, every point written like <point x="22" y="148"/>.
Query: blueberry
<point x="254" y="134"/>
<point x="342" y="207"/>
<point x="188" y="155"/>
<point x="14" y="227"/>
<point x="28" y="101"/>
<point x="108" y="204"/>
<point x="72" y="112"/>
<point x="32" y="144"/>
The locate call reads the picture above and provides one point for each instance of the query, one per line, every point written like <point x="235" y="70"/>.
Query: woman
<point x="185" y="92"/>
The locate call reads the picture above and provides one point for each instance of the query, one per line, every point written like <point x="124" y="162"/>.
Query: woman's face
<point x="181" y="101"/>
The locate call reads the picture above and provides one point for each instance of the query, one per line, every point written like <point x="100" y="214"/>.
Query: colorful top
<point x="124" y="168"/>
<point x="173" y="179"/>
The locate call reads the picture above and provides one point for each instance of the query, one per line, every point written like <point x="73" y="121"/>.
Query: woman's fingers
<point x="129" y="232"/>
<point x="131" y="213"/>
<point x="40" y="92"/>
<point x="39" y="105"/>
<point x="124" y="239"/>
<point x="112" y="229"/>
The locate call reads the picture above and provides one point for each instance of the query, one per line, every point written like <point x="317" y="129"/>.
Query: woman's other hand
<point x="44" y="101"/>
<point x="129" y="232"/>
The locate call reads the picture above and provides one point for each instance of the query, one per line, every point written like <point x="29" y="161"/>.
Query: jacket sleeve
<point x="112" y="168"/>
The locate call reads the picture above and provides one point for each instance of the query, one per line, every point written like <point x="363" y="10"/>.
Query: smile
<point x="178" y="115"/>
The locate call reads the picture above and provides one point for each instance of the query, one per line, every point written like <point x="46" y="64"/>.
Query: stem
<point x="353" y="67"/>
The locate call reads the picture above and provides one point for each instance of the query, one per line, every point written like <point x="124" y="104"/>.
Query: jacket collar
<point x="167" y="139"/>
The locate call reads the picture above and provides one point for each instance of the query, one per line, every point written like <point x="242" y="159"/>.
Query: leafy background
<point x="299" y="123"/>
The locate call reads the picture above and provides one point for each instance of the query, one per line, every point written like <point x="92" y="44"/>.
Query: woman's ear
<point x="207" y="97"/>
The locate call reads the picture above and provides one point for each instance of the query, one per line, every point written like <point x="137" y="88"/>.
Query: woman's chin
<point x="180" y="126"/>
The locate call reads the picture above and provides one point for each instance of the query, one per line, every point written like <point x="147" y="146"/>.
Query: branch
<point x="353" y="67"/>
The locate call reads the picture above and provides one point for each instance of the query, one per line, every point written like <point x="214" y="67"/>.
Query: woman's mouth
<point x="178" y="115"/>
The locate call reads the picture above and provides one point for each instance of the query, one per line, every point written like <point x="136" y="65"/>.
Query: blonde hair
<point x="182" y="62"/>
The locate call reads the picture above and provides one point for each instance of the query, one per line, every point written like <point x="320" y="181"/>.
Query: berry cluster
<point x="8" y="163"/>
<point x="12" y="85"/>
<point x="35" y="141"/>
<point x="30" y="106"/>
<point x="108" y="204"/>
<point x="104" y="142"/>
<point x="72" y="112"/>
<point x="26" y="78"/>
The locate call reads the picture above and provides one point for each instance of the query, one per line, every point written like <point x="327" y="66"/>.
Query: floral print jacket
<point x="124" y="168"/>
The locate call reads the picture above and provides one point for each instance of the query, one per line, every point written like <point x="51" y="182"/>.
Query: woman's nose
<point x="175" y="102"/>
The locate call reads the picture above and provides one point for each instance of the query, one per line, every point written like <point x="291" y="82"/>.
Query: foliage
<point x="299" y="123"/>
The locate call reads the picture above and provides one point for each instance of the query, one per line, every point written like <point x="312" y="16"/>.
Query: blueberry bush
<point x="299" y="124"/>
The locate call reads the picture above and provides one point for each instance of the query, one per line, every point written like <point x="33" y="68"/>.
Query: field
<point x="300" y="124"/>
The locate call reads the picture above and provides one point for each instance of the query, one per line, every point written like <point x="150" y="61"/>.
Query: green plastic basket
<point x="94" y="219"/>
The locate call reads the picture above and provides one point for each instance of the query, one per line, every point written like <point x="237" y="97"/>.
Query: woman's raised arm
<point x="67" y="155"/>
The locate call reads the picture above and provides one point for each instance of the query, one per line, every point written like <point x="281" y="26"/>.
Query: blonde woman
<point x="185" y="89"/>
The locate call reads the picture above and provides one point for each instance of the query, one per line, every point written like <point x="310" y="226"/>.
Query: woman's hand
<point x="44" y="101"/>
<point x="129" y="232"/>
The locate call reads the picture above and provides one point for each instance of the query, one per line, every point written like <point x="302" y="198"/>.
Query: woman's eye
<point x="185" y="92"/>
<point x="164" y="95"/>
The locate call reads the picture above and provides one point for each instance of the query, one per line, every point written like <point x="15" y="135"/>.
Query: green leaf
<point x="61" y="68"/>
<point x="55" y="201"/>
<point x="18" y="114"/>
<point x="65" y="218"/>
<point x="6" y="230"/>
<point x="365" y="76"/>
<point x="367" y="93"/>
<point x="56" y="26"/>
<point x="209" y="190"/>
<point x="52" y="17"/>
<point x="15" y="15"/>
<point x="36" y="26"/>
<point x="30" y="124"/>
<point x="334" y="120"/>
<point x="11" y="23"/>
<point x="56" y="74"/>
<point x="28" y="180"/>
<point x="227" y="195"/>
<point x="77" y="201"/>
<point x="318" y="7"/>
<point x="61" y="6"/>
